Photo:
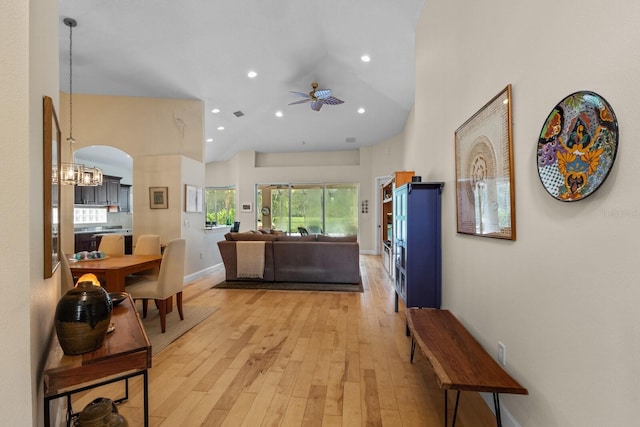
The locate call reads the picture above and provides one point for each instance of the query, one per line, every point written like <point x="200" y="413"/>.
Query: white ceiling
<point x="199" y="49"/>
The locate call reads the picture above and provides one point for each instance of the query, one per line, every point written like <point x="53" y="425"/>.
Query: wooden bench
<point x="458" y="360"/>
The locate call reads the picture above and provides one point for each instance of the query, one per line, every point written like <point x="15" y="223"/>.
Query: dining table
<point x="113" y="269"/>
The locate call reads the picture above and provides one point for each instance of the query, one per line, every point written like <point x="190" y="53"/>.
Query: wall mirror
<point x="50" y="173"/>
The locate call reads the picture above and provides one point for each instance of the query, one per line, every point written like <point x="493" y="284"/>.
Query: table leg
<point x="47" y="414"/>
<point x="413" y="348"/>
<point x="446" y="409"/>
<point x="496" y="404"/>
<point x="146" y="398"/>
<point x="455" y="410"/>
<point x="115" y="282"/>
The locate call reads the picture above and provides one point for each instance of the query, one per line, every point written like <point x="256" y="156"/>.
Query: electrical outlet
<point x="502" y="354"/>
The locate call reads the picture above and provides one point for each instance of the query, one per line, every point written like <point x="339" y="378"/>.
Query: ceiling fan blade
<point x="322" y="93"/>
<point x="316" y="105"/>
<point x="304" y="95"/>
<point x="332" y="100"/>
<point x="302" y="101"/>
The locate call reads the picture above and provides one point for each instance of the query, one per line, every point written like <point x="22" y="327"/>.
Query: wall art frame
<point x="51" y="188"/>
<point x="485" y="190"/>
<point x="159" y="197"/>
<point x="190" y="198"/>
<point x="246" y="207"/>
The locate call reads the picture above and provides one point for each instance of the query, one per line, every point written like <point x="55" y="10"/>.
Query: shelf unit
<point x="386" y="219"/>
<point x="417" y="244"/>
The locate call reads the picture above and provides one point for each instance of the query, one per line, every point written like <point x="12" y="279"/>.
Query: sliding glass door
<point x="330" y="209"/>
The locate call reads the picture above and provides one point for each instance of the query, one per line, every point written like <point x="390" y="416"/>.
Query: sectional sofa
<point x="314" y="259"/>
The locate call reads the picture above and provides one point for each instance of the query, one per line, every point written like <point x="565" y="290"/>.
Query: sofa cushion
<point x="320" y="262"/>
<point x="285" y="238"/>
<point x="323" y="238"/>
<point x="236" y="237"/>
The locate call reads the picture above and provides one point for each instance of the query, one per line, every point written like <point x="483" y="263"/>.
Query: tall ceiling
<point x="203" y="49"/>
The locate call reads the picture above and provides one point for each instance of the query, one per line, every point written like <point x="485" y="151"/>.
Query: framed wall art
<point x="159" y="197"/>
<point x="190" y="198"/>
<point x="577" y="146"/>
<point x="485" y="191"/>
<point x="246" y="207"/>
<point x="51" y="193"/>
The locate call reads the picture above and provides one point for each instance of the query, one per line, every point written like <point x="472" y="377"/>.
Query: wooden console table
<point x="125" y="353"/>
<point x="458" y="360"/>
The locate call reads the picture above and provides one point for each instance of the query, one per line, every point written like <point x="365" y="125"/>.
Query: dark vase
<point x="100" y="413"/>
<point x="82" y="317"/>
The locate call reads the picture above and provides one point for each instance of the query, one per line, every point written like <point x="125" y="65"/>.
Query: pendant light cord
<point x="71" y="140"/>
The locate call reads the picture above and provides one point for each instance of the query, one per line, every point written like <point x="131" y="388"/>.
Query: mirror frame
<point x="51" y="187"/>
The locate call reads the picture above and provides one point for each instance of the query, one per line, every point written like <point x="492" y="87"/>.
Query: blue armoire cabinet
<point x="417" y="236"/>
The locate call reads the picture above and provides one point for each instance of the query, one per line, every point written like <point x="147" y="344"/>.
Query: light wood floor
<point x="277" y="358"/>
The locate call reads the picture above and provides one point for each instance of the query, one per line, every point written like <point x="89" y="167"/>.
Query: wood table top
<point x="458" y="360"/>
<point x="113" y="262"/>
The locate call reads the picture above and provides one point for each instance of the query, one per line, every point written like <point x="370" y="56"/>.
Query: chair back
<point x="66" y="278"/>
<point x="171" y="277"/>
<point x="235" y="227"/>
<point x="112" y="244"/>
<point x="147" y="244"/>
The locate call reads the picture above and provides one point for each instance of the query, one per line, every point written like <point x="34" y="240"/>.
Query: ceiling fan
<point x="317" y="97"/>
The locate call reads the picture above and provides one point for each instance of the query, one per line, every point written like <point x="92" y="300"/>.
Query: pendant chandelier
<point x="76" y="173"/>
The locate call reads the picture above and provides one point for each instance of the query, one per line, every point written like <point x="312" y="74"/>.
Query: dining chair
<point x="147" y="244"/>
<point x="162" y="287"/>
<point x="112" y="244"/>
<point x="303" y="231"/>
<point x="66" y="277"/>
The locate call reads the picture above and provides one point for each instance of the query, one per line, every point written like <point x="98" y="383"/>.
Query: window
<point x="221" y="206"/>
<point x="89" y="215"/>
<point x="330" y="209"/>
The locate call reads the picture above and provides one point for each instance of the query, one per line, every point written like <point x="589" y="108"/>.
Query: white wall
<point x="564" y="296"/>
<point x="29" y="51"/>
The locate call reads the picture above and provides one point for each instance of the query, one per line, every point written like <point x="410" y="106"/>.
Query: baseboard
<point x="368" y="252"/>
<point x="198" y="274"/>
<point x="508" y="420"/>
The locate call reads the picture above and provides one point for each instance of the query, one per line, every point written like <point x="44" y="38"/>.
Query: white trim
<point x="508" y="420"/>
<point x="198" y="274"/>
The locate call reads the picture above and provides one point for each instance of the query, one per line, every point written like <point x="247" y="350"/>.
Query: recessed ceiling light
<point x="209" y="139"/>
<point x="360" y="110"/>
<point x="365" y="58"/>
<point x="278" y="113"/>
<point x="215" y="110"/>
<point x="220" y="127"/>
<point x="251" y="74"/>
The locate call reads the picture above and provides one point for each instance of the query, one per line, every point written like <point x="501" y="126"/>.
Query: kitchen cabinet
<point x="123" y="201"/>
<point x="107" y="194"/>
<point x="84" y="195"/>
<point x="417" y="244"/>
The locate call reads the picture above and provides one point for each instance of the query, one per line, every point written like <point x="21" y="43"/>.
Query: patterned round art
<point x="577" y="146"/>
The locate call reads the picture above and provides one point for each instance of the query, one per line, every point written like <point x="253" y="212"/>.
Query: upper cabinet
<point x="107" y="194"/>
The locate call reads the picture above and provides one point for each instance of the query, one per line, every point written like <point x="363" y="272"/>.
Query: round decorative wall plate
<point x="577" y="146"/>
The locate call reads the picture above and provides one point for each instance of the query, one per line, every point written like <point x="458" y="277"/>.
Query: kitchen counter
<point x="88" y="238"/>
<point x="102" y="230"/>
